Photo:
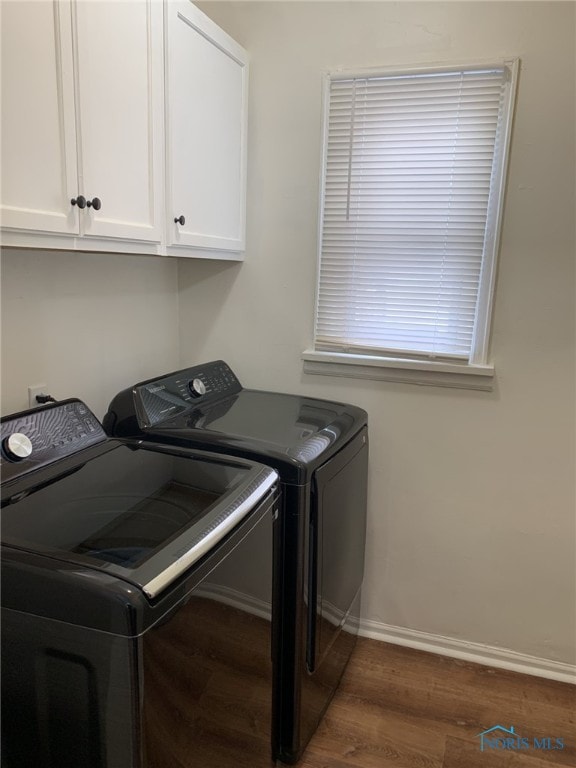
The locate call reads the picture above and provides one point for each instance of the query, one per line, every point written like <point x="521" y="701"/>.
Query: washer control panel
<point x="35" y="438"/>
<point x="162" y="399"/>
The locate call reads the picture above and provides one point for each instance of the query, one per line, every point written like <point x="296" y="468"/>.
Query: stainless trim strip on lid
<point x="223" y="524"/>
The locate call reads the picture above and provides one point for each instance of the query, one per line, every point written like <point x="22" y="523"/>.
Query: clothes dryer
<point x="320" y="450"/>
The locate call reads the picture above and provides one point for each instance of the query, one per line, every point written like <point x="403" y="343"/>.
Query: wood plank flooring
<point x="401" y="708"/>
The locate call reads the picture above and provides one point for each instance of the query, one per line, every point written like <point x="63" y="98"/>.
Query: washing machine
<point x="320" y="450"/>
<point x="137" y="617"/>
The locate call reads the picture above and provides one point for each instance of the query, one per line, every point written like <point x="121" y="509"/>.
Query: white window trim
<point x="479" y="372"/>
<point x="403" y="370"/>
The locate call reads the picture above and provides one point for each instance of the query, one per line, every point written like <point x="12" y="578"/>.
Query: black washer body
<point x="124" y="643"/>
<point x="320" y="450"/>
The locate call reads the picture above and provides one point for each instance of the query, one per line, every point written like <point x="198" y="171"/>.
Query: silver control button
<point x="197" y="387"/>
<point x="17" y="446"/>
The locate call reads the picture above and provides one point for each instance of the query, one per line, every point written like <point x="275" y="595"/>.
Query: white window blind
<point x="411" y="199"/>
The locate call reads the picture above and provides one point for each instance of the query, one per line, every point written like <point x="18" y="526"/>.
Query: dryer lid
<point x="269" y="427"/>
<point x="206" y="407"/>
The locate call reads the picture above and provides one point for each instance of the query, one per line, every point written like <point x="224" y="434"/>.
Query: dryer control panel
<point x="162" y="399"/>
<point x="32" y="439"/>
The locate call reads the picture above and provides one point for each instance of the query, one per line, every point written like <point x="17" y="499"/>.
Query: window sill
<point x="435" y="373"/>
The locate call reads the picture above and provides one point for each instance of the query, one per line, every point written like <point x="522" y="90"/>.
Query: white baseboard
<point x="477" y="653"/>
<point x="236" y="599"/>
<point x="467" y="651"/>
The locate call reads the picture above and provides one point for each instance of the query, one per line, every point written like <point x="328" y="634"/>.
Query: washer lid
<point x="143" y="513"/>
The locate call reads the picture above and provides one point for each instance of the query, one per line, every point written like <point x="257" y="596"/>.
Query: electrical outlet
<point x="36" y="389"/>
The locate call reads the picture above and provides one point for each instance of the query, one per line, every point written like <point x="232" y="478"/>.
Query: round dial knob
<point x="197" y="387"/>
<point x="17" y="446"/>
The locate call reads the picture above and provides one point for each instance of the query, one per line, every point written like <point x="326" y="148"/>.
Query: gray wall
<point x="472" y="511"/>
<point x="85" y="324"/>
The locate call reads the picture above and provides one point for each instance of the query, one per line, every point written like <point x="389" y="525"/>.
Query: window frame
<point x="477" y="371"/>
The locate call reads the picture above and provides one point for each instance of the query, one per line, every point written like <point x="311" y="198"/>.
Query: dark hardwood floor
<point x="401" y="708"/>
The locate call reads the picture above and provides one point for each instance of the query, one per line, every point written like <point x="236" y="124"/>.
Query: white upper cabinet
<point x="207" y="90"/>
<point x="38" y="152"/>
<point x="82" y="118"/>
<point x="119" y="116"/>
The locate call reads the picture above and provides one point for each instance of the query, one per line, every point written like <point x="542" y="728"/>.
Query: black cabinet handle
<point x="80" y="201"/>
<point x="180" y="220"/>
<point x="96" y="203"/>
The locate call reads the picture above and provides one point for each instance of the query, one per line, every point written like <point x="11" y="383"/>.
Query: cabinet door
<point x="38" y="153"/>
<point x="120" y="116"/>
<point x="207" y="84"/>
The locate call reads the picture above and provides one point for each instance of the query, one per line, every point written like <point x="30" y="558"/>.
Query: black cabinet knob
<point x="180" y="220"/>
<point x="96" y="203"/>
<point x="80" y="201"/>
